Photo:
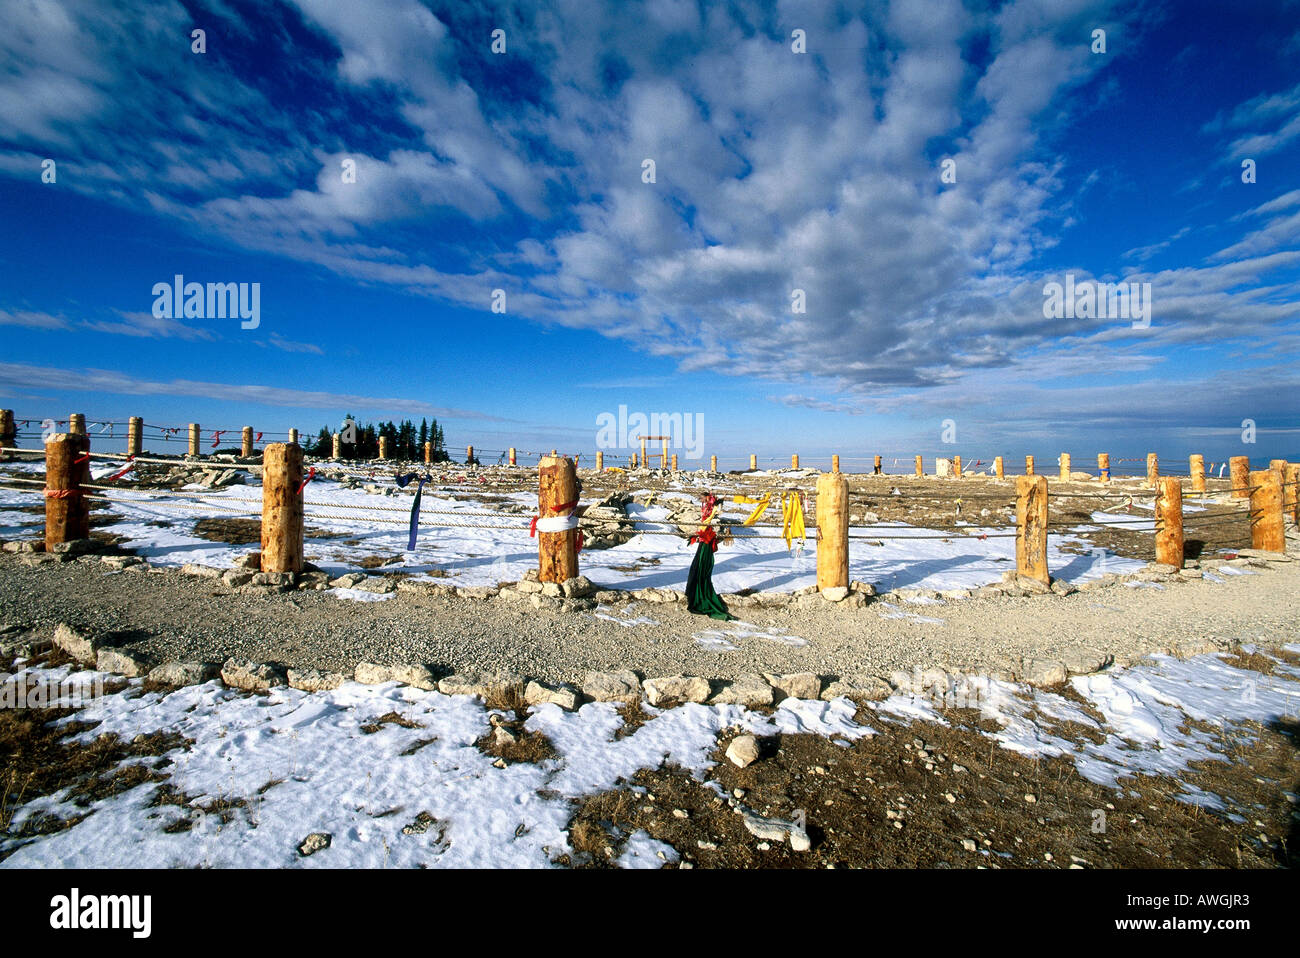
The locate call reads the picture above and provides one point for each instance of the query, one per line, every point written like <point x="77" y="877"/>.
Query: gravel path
<point x="166" y="615"/>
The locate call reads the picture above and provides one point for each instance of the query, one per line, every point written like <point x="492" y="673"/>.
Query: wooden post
<point x="557" y="551"/>
<point x="600" y="462"/>
<point x="336" y="447"/>
<point x="753" y="462"/>
<point x="635" y="460"/>
<point x="383" y="447"/>
<point x="428" y="453"/>
<point x="956" y="467"/>
<point x="1279" y="466"/>
<point x="281" y="508"/>
<point x="1169" y="522"/>
<point x="469" y="455"/>
<point x="194" y="439"/>
<point x="794" y="461"/>
<point x="1196" y="466"/>
<point x="877" y="466"/>
<point x="674" y="462"/>
<point x="644" y="460"/>
<point x="77" y="424"/>
<point x="832" y="531"/>
<point x="513" y="458"/>
<point x="920" y="467"/>
<point x="1031" y="528"/>
<point x="134" y="436"/>
<point x="1267" y="531"/>
<point x="246" y="448"/>
<point x="997" y="466"/>
<point x="1103" y="466"/>
<point x="835" y="462"/>
<point x="663" y="454"/>
<point x="293" y="437"/>
<point x="67" y="514"/>
<point x="1239" y="470"/>
<point x="1029" y="465"/>
<point x="1065" y="467"/>
<point x="8" y="433"/>
<point x="1291" y="492"/>
<point x="1153" y="470"/>
<point x="713" y="463"/>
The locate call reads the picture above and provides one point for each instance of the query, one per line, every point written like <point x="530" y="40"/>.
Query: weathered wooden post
<point x="1103" y="466"/>
<point x="1065" y="467"/>
<point x="674" y="462"/>
<point x="134" y="436"/>
<point x="600" y="462"/>
<point x="1279" y="466"/>
<point x="8" y="432"/>
<point x="383" y="447"/>
<point x="997" y="466"/>
<point x="1029" y="465"/>
<point x="1267" y="531"/>
<point x="753" y="462"/>
<point x="663" y="453"/>
<point x="428" y="453"/>
<point x="1169" y="522"/>
<point x="877" y="466"/>
<point x="835" y="462"/>
<point x="832" y="531"/>
<point x="246" y="447"/>
<point x="713" y="463"/>
<point x="956" y="467"/>
<point x="1031" y="528"/>
<point x="469" y="455"/>
<point x="557" y="528"/>
<point x="920" y="467"/>
<point x="514" y="460"/>
<point x="293" y="437"/>
<point x="1196" y="467"/>
<point x="67" y="514"/>
<point x="1291" y="492"/>
<point x="636" y="460"/>
<point x="794" y="461"/>
<point x="194" y="440"/>
<point x="1153" y="470"/>
<point x="77" y="424"/>
<point x="1239" y="470"/>
<point x="644" y="460"/>
<point x="281" y="508"/>
<point x="336" y="446"/>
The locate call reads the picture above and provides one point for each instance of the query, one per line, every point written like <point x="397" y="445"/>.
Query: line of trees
<point x="405" y="441"/>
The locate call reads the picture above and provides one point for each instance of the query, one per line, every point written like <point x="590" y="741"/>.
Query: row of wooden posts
<point x="1239" y="466"/>
<point x="67" y="514"/>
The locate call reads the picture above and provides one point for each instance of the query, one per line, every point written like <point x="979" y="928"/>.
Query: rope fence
<point x="1266" y="497"/>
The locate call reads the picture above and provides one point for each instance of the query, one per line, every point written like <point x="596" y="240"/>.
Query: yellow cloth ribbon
<point x="761" y="505"/>
<point x="792" y="519"/>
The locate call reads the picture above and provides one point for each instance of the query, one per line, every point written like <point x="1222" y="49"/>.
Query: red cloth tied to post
<point x="567" y="507"/>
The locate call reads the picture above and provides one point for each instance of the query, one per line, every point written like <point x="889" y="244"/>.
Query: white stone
<point x="743" y="751"/>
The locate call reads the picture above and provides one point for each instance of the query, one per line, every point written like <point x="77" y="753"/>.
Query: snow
<point x="290" y="763"/>
<point x="162" y="531"/>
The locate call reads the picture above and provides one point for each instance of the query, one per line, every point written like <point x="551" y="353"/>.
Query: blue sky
<point x="775" y="171"/>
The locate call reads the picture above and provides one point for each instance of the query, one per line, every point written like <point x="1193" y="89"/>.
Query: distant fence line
<point x="1272" y="494"/>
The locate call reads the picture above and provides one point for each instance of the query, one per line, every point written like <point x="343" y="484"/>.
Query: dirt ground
<point x="910" y="796"/>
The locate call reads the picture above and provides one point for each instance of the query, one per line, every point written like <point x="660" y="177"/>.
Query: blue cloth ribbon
<point x="402" y="483"/>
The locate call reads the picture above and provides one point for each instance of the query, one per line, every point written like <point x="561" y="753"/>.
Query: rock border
<point x="509" y="690"/>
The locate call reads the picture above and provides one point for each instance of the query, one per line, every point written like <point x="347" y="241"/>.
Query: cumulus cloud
<point x="774" y="171"/>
